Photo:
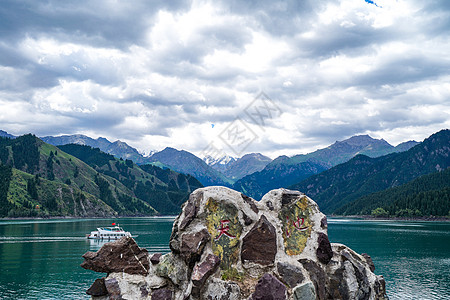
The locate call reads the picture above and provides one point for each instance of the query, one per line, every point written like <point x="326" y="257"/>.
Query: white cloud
<point x="159" y="75"/>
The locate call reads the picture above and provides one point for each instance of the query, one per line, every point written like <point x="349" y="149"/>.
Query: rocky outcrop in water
<point x="228" y="246"/>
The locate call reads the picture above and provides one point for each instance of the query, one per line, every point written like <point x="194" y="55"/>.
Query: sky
<point x="215" y="77"/>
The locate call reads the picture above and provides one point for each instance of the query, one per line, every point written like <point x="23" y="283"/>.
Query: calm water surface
<point x="40" y="259"/>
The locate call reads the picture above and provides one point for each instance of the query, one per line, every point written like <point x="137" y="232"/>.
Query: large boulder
<point x="226" y="245"/>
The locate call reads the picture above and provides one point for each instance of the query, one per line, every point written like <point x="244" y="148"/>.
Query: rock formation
<point x="226" y="245"/>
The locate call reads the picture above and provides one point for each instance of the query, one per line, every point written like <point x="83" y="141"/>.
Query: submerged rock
<point x="226" y="245"/>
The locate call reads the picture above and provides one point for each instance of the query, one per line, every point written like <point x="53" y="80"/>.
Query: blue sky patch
<point x="372" y="2"/>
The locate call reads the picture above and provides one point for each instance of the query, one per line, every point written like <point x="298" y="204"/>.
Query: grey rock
<point x="221" y="290"/>
<point x="317" y="276"/>
<point x="290" y="274"/>
<point x="304" y="291"/>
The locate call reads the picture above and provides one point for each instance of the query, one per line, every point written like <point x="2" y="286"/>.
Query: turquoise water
<point x="40" y="259"/>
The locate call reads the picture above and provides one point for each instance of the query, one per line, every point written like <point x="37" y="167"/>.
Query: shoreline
<point x="360" y="217"/>
<point x="368" y="217"/>
<point x="80" y="218"/>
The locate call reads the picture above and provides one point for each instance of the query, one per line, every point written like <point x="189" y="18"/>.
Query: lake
<point x="40" y="259"/>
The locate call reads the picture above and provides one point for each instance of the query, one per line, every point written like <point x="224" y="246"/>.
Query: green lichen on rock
<point x="223" y="224"/>
<point x="297" y="225"/>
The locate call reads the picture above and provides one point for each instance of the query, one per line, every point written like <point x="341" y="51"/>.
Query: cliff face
<point x="228" y="246"/>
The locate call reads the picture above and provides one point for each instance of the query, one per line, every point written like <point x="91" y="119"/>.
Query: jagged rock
<point x="173" y="268"/>
<point x="324" y="252"/>
<point x="123" y="255"/>
<point x="190" y="210"/>
<point x="202" y="271"/>
<point x="369" y="261"/>
<point x="225" y="245"/>
<point x="192" y="245"/>
<point x="113" y="288"/>
<point x="318" y="277"/>
<point x="290" y="274"/>
<point x="162" y="294"/>
<point x="221" y="290"/>
<point x="269" y="288"/>
<point x="350" y="276"/>
<point x="156" y="258"/>
<point x="259" y="245"/>
<point x="305" y="291"/>
<point x="98" y="288"/>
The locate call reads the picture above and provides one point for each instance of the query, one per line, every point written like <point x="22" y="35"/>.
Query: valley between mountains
<point x="78" y="176"/>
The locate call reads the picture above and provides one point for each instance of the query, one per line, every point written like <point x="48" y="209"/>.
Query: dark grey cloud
<point x="159" y="73"/>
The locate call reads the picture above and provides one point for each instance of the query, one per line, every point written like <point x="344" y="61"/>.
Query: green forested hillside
<point x="363" y="175"/>
<point x="40" y="180"/>
<point x="46" y="181"/>
<point x="163" y="189"/>
<point x="424" y="196"/>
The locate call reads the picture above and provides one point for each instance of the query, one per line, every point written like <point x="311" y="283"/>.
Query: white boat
<point x="108" y="233"/>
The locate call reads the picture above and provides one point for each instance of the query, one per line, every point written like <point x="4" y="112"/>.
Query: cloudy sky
<point x="189" y="74"/>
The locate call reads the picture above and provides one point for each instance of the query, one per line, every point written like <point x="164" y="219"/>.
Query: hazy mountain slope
<point x="118" y="149"/>
<point x="258" y="184"/>
<point x="424" y="196"/>
<point x="342" y="151"/>
<point x="363" y="175"/>
<point x="246" y="165"/>
<point x="6" y="135"/>
<point x="187" y="163"/>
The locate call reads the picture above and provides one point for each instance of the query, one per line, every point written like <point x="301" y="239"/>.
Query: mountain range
<point x="285" y="171"/>
<point x="346" y="183"/>
<point x="344" y="178"/>
<point x="39" y="179"/>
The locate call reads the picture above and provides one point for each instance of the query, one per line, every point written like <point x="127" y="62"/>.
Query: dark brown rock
<point x="269" y="288"/>
<point x="192" y="245"/>
<point x="162" y="294"/>
<point x="114" y="292"/>
<point x="324" y="222"/>
<point x="98" y="288"/>
<point x="287" y="198"/>
<point x="317" y="276"/>
<point x="324" y="252"/>
<point x="191" y="209"/>
<point x="291" y="275"/>
<point x="123" y="255"/>
<point x="260" y="243"/>
<point x="369" y="261"/>
<point x="156" y="258"/>
<point x="269" y="205"/>
<point x="202" y="271"/>
<point x="247" y="220"/>
<point x="250" y="202"/>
